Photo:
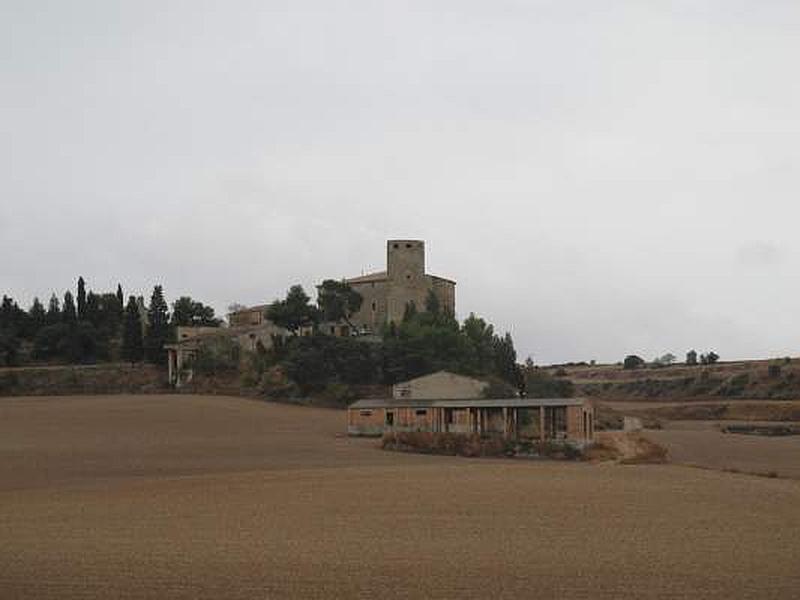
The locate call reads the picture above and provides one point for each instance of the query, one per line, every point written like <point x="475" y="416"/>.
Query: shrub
<point x="216" y="357"/>
<point x="540" y="384"/>
<point x="500" y="390"/>
<point x="633" y="362"/>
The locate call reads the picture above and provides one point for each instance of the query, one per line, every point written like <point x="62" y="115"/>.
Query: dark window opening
<point x="390" y="418"/>
<point x="408" y="245"/>
<point x="421" y="412"/>
<point x="365" y="413"/>
<point x="396" y="246"/>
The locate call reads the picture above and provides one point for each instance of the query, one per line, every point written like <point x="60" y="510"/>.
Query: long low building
<point x="545" y="419"/>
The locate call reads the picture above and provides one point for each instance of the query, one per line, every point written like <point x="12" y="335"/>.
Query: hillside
<point x="760" y="379"/>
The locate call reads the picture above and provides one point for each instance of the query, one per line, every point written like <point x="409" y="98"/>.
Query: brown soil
<point x="212" y="497"/>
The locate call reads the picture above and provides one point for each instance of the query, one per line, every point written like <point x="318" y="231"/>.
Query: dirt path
<point x="201" y="497"/>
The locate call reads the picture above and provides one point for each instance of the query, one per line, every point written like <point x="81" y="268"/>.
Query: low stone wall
<point x="115" y="378"/>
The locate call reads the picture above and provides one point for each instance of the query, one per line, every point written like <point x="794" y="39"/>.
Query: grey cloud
<point x="584" y="171"/>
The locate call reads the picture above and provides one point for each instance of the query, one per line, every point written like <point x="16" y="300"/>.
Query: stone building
<point x="566" y="420"/>
<point x="444" y="402"/>
<point x="248" y="316"/>
<point x="182" y="353"/>
<point x="387" y="293"/>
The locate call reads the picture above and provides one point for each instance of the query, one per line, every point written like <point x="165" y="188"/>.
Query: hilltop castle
<point x="387" y="293"/>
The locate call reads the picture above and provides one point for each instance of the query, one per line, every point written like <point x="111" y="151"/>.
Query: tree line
<point x="89" y="327"/>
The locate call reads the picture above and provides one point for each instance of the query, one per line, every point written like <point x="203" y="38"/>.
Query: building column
<point x="170" y="368"/>
<point x="541" y="423"/>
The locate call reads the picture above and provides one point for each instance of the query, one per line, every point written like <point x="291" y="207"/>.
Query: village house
<point x="190" y="339"/>
<point x="430" y="404"/>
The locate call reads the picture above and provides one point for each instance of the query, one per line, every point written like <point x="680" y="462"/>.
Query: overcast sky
<point x="601" y="178"/>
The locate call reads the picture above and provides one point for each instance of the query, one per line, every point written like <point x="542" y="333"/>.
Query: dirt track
<point x="199" y="497"/>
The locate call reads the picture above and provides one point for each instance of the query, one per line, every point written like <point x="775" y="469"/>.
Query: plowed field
<point x="213" y="497"/>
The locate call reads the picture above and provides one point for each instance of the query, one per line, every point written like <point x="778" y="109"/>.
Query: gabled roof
<point x="369" y="277"/>
<point x="439" y="374"/>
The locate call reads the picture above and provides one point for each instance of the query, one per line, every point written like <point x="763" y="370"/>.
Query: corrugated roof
<point x="476" y="403"/>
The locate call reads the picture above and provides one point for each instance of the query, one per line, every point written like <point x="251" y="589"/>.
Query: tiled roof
<point x="369" y="277"/>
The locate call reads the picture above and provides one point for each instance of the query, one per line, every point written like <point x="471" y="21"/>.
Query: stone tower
<point x="405" y="261"/>
<point x="386" y="293"/>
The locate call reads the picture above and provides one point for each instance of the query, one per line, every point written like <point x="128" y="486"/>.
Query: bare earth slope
<point x="211" y="497"/>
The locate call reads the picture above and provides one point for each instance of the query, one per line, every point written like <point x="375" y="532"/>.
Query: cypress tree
<point x="157" y="326"/>
<point x="132" y="343"/>
<point x="53" y="310"/>
<point x="68" y="314"/>
<point x="81" y="299"/>
<point x="120" y="299"/>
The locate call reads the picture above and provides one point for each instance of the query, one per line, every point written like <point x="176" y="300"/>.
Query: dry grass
<point x="198" y="497"/>
<point x="630" y="448"/>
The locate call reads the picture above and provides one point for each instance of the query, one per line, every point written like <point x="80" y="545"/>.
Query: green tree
<point x="53" y="310"/>
<point x="69" y="314"/>
<point x="505" y="361"/>
<point x="294" y="312"/>
<point x="338" y="301"/>
<point x="120" y="298"/>
<point x="92" y="312"/>
<point x="132" y="343"/>
<point x="81" y="299"/>
<point x="633" y="362"/>
<point x="13" y="320"/>
<point x="187" y="312"/>
<point x="432" y="303"/>
<point x="37" y="318"/>
<point x="158" y="329"/>
<point x="691" y="358"/>
<point x="481" y="339"/>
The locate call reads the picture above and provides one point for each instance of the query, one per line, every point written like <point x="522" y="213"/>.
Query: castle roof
<point x="369" y="277"/>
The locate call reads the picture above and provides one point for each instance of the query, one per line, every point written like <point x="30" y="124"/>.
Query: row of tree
<point x="633" y="361"/>
<point x="91" y="327"/>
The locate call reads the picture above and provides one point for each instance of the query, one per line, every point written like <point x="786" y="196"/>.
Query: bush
<point x="217" y="356"/>
<point x="633" y="362"/>
<point x="540" y="384"/>
<point x="500" y="390"/>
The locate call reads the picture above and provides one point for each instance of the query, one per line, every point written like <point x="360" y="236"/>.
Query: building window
<point x="390" y="418"/>
<point x="408" y="245"/>
<point x="405" y="392"/>
<point x="396" y="246"/>
<point x="374" y="306"/>
<point x="365" y="413"/>
<point x="421" y="412"/>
